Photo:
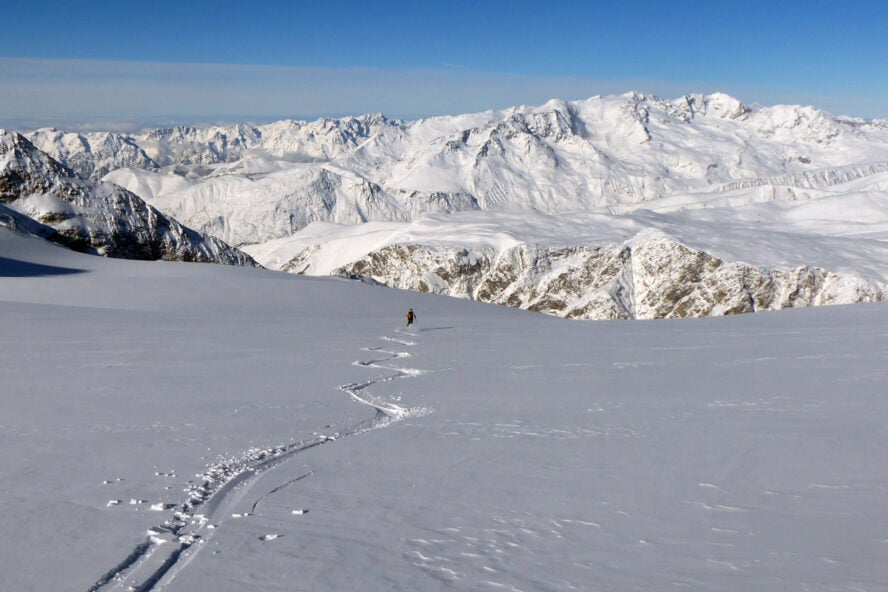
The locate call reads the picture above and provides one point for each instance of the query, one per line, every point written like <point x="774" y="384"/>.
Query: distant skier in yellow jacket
<point x="411" y="316"/>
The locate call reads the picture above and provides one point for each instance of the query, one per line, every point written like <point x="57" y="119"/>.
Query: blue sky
<point x="191" y="60"/>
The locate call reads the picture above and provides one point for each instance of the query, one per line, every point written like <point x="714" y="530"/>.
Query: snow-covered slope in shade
<point x="14" y="220"/>
<point x="99" y="218"/>
<point x="293" y="435"/>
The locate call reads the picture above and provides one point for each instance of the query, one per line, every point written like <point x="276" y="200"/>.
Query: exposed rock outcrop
<point x="648" y="279"/>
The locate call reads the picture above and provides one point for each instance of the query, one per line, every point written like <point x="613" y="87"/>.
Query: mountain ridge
<point x="98" y="218"/>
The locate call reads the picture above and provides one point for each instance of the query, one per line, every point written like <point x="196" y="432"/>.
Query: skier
<point x="410" y="317"/>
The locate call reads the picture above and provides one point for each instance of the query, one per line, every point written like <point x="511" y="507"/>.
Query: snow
<point x="842" y="229"/>
<point x="297" y="437"/>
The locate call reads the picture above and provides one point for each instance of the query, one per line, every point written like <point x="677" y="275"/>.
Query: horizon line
<point x="38" y="92"/>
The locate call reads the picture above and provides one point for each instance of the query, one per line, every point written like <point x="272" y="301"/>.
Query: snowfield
<point x="184" y="427"/>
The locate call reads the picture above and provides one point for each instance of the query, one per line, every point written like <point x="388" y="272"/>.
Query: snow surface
<point x="195" y="427"/>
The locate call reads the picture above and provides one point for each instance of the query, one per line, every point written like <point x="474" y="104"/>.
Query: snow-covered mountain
<point x="260" y="187"/>
<point x="96" y="154"/>
<point x="99" y="218"/>
<point x="558" y="157"/>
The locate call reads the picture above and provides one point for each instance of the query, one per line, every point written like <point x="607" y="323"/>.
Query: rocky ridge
<point x="653" y="277"/>
<point x="98" y="218"/>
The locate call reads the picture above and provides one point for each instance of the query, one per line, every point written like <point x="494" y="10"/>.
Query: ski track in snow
<point x="169" y="547"/>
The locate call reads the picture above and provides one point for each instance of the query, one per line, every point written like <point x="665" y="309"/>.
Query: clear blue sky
<point x="459" y="54"/>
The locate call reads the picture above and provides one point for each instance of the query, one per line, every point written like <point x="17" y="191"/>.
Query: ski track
<point x="169" y="547"/>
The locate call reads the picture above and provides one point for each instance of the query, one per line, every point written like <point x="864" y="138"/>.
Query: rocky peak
<point x="25" y="169"/>
<point x="98" y="218"/>
<point x="556" y="121"/>
<point x="723" y="106"/>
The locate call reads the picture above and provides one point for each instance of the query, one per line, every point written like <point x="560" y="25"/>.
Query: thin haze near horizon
<point x="200" y="61"/>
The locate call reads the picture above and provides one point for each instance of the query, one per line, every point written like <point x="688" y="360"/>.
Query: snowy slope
<point x="263" y="431"/>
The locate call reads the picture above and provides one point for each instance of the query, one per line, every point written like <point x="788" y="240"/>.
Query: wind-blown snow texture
<point x="776" y="175"/>
<point x="212" y="428"/>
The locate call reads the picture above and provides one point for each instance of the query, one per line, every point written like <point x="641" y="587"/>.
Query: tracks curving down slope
<point x="168" y="548"/>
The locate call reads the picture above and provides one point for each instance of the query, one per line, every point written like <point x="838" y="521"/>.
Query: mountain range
<point x="627" y="206"/>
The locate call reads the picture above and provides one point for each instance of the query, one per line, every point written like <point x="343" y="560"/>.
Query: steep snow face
<point x="300" y="195"/>
<point x="277" y="199"/>
<point x="99" y="218"/>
